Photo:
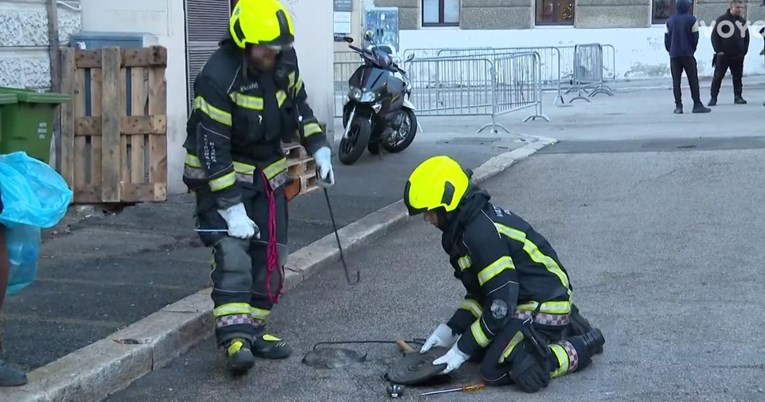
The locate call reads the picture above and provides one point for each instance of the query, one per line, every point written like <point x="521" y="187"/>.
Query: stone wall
<point x="497" y="14"/>
<point x="24" y="58"/>
<point x="612" y="13"/>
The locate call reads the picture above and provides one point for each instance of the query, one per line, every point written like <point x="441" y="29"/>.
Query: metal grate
<point x="206" y="25"/>
<point x="207" y="20"/>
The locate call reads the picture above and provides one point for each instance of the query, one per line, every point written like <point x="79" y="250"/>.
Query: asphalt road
<point x="664" y="250"/>
<point x="111" y="271"/>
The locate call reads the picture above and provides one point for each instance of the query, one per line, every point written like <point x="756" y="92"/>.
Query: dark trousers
<point x="567" y="354"/>
<point x="243" y="289"/>
<point x="687" y="64"/>
<point x="723" y="63"/>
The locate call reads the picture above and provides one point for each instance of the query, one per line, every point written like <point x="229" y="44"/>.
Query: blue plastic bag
<point x="34" y="196"/>
<point x="33" y="193"/>
<point x="23" y="243"/>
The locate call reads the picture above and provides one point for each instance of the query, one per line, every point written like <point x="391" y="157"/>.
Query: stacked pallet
<point x="301" y="166"/>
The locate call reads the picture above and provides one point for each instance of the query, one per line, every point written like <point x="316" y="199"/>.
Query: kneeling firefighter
<point x="249" y="97"/>
<point x="517" y="317"/>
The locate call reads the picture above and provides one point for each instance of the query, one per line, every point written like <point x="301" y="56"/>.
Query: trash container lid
<point x="29" y="96"/>
<point x="7" y="98"/>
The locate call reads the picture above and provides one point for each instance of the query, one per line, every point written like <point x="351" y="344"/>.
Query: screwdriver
<point x="466" y="388"/>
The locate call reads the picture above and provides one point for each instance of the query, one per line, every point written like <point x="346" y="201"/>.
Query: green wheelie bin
<point x="27" y="124"/>
<point x="5" y="100"/>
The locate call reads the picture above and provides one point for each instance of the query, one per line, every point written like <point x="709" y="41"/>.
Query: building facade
<point x="635" y="28"/>
<point x="24" y="54"/>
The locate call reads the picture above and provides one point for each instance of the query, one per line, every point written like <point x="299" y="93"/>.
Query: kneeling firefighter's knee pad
<point x="528" y="371"/>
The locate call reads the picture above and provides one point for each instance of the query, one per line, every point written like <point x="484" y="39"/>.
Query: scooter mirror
<point x="348" y="39"/>
<point x="369" y="35"/>
<point x="410" y="57"/>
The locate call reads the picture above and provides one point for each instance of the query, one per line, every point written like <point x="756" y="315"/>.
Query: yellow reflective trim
<point x="244" y="168"/>
<point x="464" y="262"/>
<point x="281" y="96"/>
<point x="551" y="307"/>
<point x="514" y="341"/>
<point x="292" y="79"/>
<point x="247" y="101"/>
<point x="562" y="357"/>
<point x="311" y="129"/>
<point x="271" y="338"/>
<point x="275" y="168"/>
<point x="472" y="306"/>
<point x="259" y="313"/>
<point x="298" y="86"/>
<point x="193" y="161"/>
<point x="216" y="114"/>
<point x="534" y="253"/>
<point x="223" y="182"/>
<point x="478" y="334"/>
<point x="494" y="269"/>
<point x="232" y="308"/>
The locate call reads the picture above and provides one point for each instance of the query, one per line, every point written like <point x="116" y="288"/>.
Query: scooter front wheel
<point x="352" y="146"/>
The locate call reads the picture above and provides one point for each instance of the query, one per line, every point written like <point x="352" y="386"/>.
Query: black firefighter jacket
<point x="505" y="267"/>
<point x="239" y="119"/>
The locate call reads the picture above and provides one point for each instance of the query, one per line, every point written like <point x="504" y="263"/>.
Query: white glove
<point x="239" y="224"/>
<point x="323" y="158"/>
<point x="442" y="336"/>
<point x="454" y="358"/>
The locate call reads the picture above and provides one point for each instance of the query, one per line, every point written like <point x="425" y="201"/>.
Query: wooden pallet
<point x="114" y="132"/>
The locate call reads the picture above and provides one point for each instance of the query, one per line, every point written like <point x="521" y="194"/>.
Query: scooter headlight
<point x="368" y="97"/>
<point x="355" y="93"/>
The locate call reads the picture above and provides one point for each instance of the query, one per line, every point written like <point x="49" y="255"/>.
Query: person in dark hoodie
<point x="681" y="40"/>
<point x="517" y="315"/>
<point x="730" y="41"/>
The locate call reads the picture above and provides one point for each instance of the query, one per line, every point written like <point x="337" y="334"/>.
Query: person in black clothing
<point x="730" y="41"/>
<point x="681" y="40"/>
<point x="249" y="97"/>
<point x="517" y="315"/>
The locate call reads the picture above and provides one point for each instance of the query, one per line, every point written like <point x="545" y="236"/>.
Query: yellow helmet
<point x="438" y="182"/>
<point x="261" y="22"/>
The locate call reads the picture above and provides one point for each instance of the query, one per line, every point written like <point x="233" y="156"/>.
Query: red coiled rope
<point x="272" y="249"/>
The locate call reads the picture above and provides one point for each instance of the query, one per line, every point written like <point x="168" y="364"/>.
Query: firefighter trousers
<point x="511" y="355"/>
<point x="247" y="275"/>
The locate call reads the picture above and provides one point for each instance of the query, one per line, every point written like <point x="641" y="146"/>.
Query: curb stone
<point x="113" y="363"/>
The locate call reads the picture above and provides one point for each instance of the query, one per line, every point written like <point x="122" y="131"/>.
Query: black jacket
<point x="504" y="265"/>
<point x="239" y="119"/>
<point x="731" y="44"/>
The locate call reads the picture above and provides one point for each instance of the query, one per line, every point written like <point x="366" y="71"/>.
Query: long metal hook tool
<point x="339" y="246"/>
<point x="337" y="237"/>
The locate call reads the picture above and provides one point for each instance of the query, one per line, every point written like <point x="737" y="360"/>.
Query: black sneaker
<point x="678" y="110"/>
<point x="700" y="108"/>
<point x="239" y="355"/>
<point x="267" y="346"/>
<point x="10" y="377"/>
<point x="739" y="100"/>
<point x="712" y="102"/>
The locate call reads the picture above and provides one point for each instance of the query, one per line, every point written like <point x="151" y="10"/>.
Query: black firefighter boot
<point x="239" y="356"/>
<point x="268" y="346"/>
<point x="738" y="100"/>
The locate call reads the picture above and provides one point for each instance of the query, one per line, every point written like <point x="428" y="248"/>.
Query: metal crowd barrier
<point x="557" y="65"/>
<point x="588" y="74"/>
<point x="550" y="60"/>
<point x="477" y="86"/>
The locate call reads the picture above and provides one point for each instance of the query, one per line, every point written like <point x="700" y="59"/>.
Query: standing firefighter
<point x="248" y="97"/>
<point x="517" y="313"/>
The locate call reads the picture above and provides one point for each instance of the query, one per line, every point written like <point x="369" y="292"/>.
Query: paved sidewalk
<point x="112" y="271"/>
<point x="664" y="251"/>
